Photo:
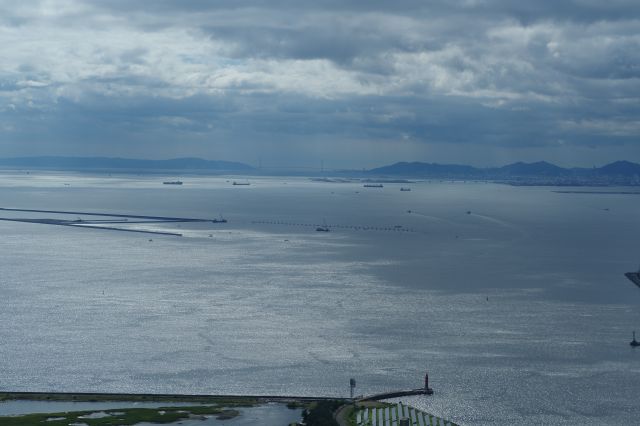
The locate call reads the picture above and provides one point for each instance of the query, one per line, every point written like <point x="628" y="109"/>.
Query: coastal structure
<point x="426" y="390"/>
<point x="634" y="277"/>
<point x="104" y="221"/>
<point x="221" y="220"/>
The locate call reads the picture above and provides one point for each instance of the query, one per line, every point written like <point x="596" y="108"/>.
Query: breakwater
<point x="104" y="224"/>
<point x="164" y="218"/>
<point x="396" y="394"/>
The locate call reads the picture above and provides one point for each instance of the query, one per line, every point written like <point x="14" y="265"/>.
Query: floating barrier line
<point x="354" y="227"/>
<point x="172" y="219"/>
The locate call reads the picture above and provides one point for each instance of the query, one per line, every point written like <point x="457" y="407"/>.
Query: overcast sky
<point x="351" y="83"/>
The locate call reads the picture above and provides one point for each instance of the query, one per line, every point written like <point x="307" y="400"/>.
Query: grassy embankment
<point x="121" y="416"/>
<point x="220" y="407"/>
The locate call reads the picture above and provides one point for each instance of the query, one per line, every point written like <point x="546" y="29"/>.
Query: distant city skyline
<point x="348" y="84"/>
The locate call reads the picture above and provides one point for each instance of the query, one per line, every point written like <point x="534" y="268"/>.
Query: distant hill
<point x="624" y="172"/>
<point x="87" y="163"/>
<point x="624" y="168"/>
<point x="540" y="168"/>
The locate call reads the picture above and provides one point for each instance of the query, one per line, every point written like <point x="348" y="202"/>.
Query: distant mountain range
<point x="107" y="163"/>
<point x="541" y="169"/>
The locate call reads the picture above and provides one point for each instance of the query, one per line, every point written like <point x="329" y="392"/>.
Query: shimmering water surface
<point x="512" y="297"/>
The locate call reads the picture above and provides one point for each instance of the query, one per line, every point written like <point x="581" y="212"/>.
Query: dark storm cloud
<point x="241" y="77"/>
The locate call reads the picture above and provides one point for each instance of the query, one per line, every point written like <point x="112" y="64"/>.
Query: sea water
<point x="513" y="298"/>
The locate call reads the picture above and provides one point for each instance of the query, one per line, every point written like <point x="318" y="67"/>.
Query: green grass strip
<point x="119" y="417"/>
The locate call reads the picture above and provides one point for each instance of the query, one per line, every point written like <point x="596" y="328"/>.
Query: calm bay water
<point x="513" y="298"/>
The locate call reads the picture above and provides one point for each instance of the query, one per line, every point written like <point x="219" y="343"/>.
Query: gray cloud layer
<point x="355" y="83"/>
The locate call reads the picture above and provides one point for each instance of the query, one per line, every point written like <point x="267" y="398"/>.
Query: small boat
<point x="172" y="182"/>
<point x="373" y="185"/>
<point x="241" y="183"/>
<point x="634" y="342"/>
<point x="405" y="189"/>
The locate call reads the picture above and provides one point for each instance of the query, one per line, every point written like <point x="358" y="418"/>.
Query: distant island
<point x="538" y="173"/>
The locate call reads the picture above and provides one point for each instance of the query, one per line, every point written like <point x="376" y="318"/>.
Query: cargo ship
<point x="172" y="182"/>
<point x="373" y="185"/>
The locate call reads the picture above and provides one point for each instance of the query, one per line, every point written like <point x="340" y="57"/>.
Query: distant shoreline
<point x="333" y="177"/>
<point x="600" y="192"/>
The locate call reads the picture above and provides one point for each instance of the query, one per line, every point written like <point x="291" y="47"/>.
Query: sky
<point x="342" y="83"/>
